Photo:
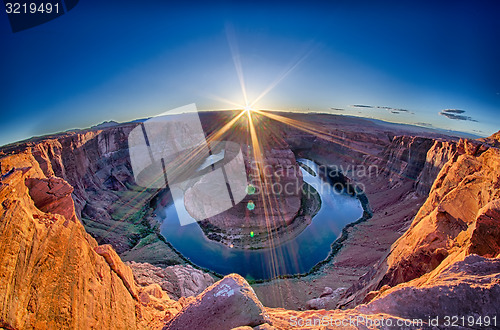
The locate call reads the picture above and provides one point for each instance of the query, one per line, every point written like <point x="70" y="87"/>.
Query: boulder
<point x="467" y="287"/>
<point x="227" y="304"/>
<point x="327" y="300"/>
<point x="485" y="238"/>
<point x="179" y="280"/>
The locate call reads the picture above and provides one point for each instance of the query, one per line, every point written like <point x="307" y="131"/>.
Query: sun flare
<point x="248" y="108"/>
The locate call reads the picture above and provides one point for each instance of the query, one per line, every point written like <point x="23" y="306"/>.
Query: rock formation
<point x="227" y="304"/>
<point x="436" y="201"/>
<point x="96" y="165"/>
<point x="179" y="281"/>
<point x="54" y="274"/>
<point x="466" y="184"/>
<point x="447" y="247"/>
<point x="274" y="193"/>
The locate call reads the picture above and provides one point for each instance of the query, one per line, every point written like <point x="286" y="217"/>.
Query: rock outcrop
<point x="179" y="281"/>
<point x="327" y="300"/>
<point x="101" y="187"/>
<point x="485" y="232"/>
<point x="52" y="195"/>
<point x="54" y="274"/>
<point x="442" y="259"/>
<point x="469" y="287"/>
<point x="227" y="304"/>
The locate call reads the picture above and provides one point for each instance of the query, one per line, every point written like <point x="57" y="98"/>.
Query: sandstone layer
<point x="447" y="261"/>
<point x="54" y="274"/>
<point x="96" y="164"/>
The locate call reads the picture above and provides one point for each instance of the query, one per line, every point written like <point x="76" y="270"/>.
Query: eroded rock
<point x="485" y="238"/>
<point x="327" y="300"/>
<point x="179" y="280"/>
<point x="227" y="304"/>
<point x="468" y="287"/>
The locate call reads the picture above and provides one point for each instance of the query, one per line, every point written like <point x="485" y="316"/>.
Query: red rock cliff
<point x="55" y="275"/>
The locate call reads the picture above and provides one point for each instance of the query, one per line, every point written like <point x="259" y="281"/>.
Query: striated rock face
<point x="418" y="159"/>
<point x="462" y="188"/>
<point x="440" y="266"/>
<point x="227" y="304"/>
<point x="406" y="156"/>
<point x="179" y="281"/>
<point x="437" y="156"/>
<point x="101" y="188"/>
<point x="54" y="275"/>
<point x="467" y="287"/>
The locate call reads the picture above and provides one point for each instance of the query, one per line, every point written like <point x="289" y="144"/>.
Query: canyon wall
<point x="55" y="275"/>
<point x="463" y="197"/>
<point x="96" y="164"/>
<point x="446" y="263"/>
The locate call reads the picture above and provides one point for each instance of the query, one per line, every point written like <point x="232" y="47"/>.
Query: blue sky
<point x="122" y="60"/>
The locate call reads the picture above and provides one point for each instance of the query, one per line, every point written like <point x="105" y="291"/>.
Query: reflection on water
<point x="295" y="256"/>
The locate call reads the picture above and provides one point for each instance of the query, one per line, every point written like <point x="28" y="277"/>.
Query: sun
<point x="248" y="109"/>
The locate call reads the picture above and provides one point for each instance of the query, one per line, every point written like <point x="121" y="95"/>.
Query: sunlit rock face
<point x="54" y="274"/>
<point x="437" y="256"/>
<point x="227" y="304"/>
<point x="452" y="214"/>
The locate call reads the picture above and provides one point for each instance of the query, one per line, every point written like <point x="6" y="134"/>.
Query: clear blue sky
<point x="122" y="60"/>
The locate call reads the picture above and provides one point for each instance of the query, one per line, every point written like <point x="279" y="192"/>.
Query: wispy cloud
<point x="390" y="109"/>
<point x="395" y="109"/>
<point x="337" y="109"/>
<point x="361" y="106"/>
<point x="453" y="111"/>
<point x="456" y="114"/>
<point x="424" y="124"/>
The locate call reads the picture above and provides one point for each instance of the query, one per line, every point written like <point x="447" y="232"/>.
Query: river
<point x="297" y="255"/>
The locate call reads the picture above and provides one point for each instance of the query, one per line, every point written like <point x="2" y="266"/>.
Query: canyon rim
<point x="81" y="244"/>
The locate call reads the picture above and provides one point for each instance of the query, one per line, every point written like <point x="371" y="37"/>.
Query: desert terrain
<point x="81" y="245"/>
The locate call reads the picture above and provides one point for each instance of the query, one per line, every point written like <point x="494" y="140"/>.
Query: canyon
<point x="81" y="245"/>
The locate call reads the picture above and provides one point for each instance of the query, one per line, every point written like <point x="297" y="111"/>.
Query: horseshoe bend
<point x="339" y="218"/>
